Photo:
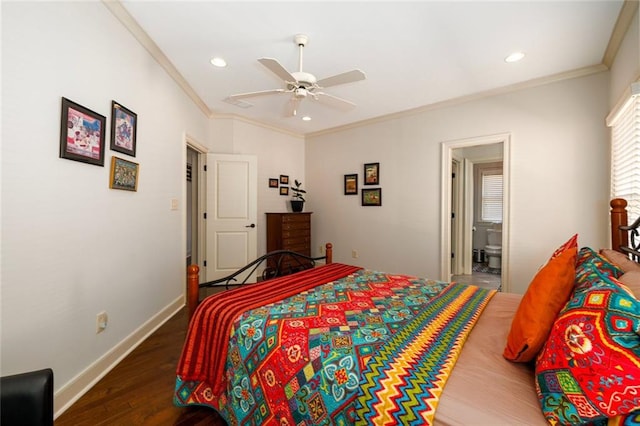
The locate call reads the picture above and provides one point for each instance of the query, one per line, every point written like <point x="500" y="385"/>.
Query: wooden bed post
<point x="618" y="218"/>
<point x="193" y="288"/>
<point x="329" y="253"/>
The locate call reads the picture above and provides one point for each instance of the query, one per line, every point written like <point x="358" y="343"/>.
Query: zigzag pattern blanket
<point x="403" y="381"/>
<point x="298" y="360"/>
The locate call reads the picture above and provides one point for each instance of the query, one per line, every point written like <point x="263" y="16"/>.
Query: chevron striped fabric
<point x="403" y="381"/>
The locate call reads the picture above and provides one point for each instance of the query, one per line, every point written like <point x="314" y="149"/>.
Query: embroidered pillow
<point x="589" y="368"/>
<point x="590" y="265"/>
<point x="547" y="293"/>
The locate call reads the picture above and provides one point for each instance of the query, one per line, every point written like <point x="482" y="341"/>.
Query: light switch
<point x="174" y="204"/>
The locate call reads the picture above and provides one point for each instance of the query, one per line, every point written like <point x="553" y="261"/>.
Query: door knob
<point x="253" y="225"/>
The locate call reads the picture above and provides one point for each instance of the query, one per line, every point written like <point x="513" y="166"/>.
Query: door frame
<point x="190" y="142"/>
<point x="445" y="231"/>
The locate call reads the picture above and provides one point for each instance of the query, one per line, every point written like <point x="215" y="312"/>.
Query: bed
<point x="338" y="344"/>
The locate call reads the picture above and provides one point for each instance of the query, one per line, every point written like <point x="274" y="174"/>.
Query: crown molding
<point x="625" y="17"/>
<point x="256" y="123"/>
<point x="143" y="38"/>
<point x="580" y="72"/>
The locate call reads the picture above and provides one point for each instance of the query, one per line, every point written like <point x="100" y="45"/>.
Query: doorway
<point x="194" y="205"/>
<point x="461" y="213"/>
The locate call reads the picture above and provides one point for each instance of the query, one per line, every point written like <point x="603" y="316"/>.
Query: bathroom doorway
<point x="477" y="195"/>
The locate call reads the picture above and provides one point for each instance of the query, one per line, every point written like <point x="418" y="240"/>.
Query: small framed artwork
<point x="284" y="190"/>
<point x="284" y="180"/>
<point x="124" y="125"/>
<point x="124" y="174"/>
<point x="82" y="134"/>
<point x="372" y="174"/>
<point x="273" y="183"/>
<point x="372" y="196"/>
<point x="351" y="184"/>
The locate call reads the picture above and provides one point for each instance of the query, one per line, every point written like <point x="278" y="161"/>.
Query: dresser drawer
<point x="295" y="218"/>
<point x="293" y="226"/>
<point x="292" y="233"/>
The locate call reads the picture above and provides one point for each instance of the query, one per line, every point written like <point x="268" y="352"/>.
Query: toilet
<point x="493" y="250"/>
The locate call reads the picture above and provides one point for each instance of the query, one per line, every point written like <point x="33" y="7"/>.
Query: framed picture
<point x="124" y="174"/>
<point x="124" y="129"/>
<point x="81" y="134"/>
<point x="273" y="183"/>
<point x="284" y="179"/>
<point x="351" y="184"/>
<point x="372" y="197"/>
<point x="284" y="190"/>
<point x="372" y="174"/>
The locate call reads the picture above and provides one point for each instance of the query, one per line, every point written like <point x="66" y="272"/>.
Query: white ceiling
<point x="414" y="54"/>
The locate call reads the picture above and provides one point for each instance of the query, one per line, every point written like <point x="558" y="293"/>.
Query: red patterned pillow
<point x="589" y="368"/>
<point x="547" y="293"/>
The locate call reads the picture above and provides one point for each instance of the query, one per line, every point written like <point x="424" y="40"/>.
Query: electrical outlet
<point x="321" y="249"/>
<point x="101" y="322"/>
<point x="354" y="254"/>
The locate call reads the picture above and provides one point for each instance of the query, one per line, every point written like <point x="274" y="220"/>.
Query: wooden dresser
<point x="289" y="231"/>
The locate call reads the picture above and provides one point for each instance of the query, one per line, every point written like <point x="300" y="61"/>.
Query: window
<point x="625" y="151"/>
<point x="491" y="199"/>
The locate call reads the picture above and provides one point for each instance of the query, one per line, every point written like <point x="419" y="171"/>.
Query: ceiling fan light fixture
<point x="218" y="62"/>
<point x="514" y="57"/>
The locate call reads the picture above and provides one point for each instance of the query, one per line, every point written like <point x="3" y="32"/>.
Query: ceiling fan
<point x="302" y="84"/>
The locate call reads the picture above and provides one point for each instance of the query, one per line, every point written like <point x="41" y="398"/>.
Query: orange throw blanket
<point x="205" y="350"/>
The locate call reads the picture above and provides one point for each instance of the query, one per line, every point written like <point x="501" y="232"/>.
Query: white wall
<point x="72" y="247"/>
<point x="559" y="178"/>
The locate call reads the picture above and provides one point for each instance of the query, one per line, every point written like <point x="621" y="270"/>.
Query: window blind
<point x="625" y="156"/>
<point x="491" y="197"/>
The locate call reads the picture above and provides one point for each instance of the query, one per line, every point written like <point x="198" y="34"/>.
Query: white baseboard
<point x="79" y="385"/>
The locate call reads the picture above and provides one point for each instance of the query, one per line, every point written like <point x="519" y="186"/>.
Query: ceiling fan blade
<point x="345" y="77"/>
<point x="333" y="101"/>
<point x="253" y="94"/>
<point x="275" y="67"/>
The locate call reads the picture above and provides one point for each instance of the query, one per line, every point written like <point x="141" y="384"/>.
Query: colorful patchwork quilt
<point x="297" y="356"/>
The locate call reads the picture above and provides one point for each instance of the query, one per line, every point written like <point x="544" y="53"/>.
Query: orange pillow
<point x="547" y="294"/>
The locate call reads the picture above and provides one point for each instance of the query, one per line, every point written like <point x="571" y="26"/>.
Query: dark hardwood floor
<point x="139" y="390"/>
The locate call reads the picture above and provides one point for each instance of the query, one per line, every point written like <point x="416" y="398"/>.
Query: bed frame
<point x="281" y="262"/>
<point x="624" y="238"/>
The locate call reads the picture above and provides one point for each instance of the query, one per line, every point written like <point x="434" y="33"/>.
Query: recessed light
<point x="306" y="118"/>
<point x="218" y="62"/>
<point x="514" y="57"/>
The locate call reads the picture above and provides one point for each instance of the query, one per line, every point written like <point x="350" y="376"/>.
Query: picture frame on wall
<point x="124" y="129"/>
<point x="351" y="184"/>
<point x="284" y="190"/>
<point x="273" y="183"/>
<point x="82" y="134"/>
<point x="371" y="196"/>
<point x="284" y="179"/>
<point x="372" y="174"/>
<point x="124" y="174"/>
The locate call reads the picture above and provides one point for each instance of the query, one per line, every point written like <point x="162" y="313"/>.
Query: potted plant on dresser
<point x="297" y="203"/>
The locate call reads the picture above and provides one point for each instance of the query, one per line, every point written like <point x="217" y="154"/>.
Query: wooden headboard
<point x="624" y="237"/>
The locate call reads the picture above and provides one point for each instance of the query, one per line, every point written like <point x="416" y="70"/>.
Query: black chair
<point x="27" y="399"/>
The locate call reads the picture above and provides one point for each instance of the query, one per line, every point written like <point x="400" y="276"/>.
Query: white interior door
<point x="231" y="213"/>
